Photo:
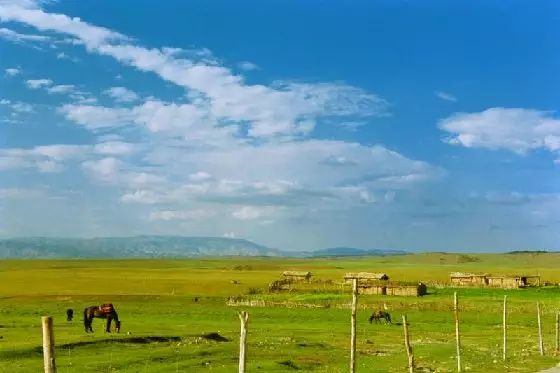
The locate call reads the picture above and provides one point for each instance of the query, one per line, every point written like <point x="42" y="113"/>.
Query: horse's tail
<point x="86" y="317"/>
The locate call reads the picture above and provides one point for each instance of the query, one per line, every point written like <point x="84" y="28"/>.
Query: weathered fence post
<point x="48" y="344"/>
<point x="353" y="326"/>
<point x="541" y="344"/>
<point x="243" y="317"/>
<point x="408" y="346"/>
<point x="557" y="332"/>
<point x="457" y="334"/>
<point x="505" y="328"/>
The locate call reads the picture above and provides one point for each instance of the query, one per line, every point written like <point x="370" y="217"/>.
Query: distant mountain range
<point x="157" y="246"/>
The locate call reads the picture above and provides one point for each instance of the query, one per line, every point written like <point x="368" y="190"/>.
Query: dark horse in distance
<point x="69" y="314"/>
<point x="105" y="311"/>
<point x="377" y="316"/>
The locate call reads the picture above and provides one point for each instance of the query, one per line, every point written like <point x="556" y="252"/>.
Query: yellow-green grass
<point x="155" y="298"/>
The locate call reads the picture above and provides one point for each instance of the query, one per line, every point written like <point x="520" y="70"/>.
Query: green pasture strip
<point x="166" y="330"/>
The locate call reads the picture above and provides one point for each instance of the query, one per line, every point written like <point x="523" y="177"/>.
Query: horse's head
<point x="117" y="326"/>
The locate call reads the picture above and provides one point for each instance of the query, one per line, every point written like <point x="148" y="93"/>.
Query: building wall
<point x="374" y="290"/>
<point x="469" y="281"/>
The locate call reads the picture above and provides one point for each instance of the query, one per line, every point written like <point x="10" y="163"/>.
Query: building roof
<point x="366" y="275"/>
<point x="466" y="274"/>
<point x="515" y="276"/>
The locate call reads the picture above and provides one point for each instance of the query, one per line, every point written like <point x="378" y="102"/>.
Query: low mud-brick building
<point x="513" y="282"/>
<point x="468" y="279"/>
<point x="378" y="284"/>
<point x="404" y="290"/>
<point x="297" y="276"/>
<point x="504" y="282"/>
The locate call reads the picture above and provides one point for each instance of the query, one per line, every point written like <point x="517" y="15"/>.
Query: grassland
<point x="306" y="330"/>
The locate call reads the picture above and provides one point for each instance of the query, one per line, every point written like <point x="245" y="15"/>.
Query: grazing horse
<point x="377" y="316"/>
<point x="105" y="311"/>
<point x="69" y="314"/>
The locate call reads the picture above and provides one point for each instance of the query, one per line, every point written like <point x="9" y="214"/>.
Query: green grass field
<point x="164" y="330"/>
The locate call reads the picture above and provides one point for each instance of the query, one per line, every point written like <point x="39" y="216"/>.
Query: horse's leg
<point x="108" y="328"/>
<point x="86" y="316"/>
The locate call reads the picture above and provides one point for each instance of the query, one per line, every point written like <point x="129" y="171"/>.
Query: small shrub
<point x="254" y="291"/>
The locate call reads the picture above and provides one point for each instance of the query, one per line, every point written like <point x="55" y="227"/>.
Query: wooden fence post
<point x="408" y="346"/>
<point x="243" y="317"/>
<point x="557" y="332"/>
<point x="505" y="328"/>
<point x="48" y="344"/>
<point x="353" y="326"/>
<point x="457" y="334"/>
<point x="541" y="344"/>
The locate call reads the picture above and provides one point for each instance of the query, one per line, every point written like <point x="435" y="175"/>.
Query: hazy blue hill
<point x="158" y="246"/>
<point x="137" y="246"/>
<point x="351" y="251"/>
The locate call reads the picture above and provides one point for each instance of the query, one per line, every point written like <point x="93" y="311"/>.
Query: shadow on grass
<point x="130" y="340"/>
<point x="38" y="350"/>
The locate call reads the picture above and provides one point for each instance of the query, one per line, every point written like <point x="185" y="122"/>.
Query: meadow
<point x="165" y="330"/>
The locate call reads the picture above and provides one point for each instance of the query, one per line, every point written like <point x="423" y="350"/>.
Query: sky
<point x="428" y="125"/>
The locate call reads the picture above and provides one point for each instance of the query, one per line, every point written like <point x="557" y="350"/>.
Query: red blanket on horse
<point x="107" y="308"/>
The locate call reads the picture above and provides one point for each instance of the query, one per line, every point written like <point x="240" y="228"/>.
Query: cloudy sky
<point x="377" y="124"/>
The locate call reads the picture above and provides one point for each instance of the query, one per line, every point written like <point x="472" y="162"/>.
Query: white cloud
<point x="121" y="94"/>
<point x="114" y="148"/>
<point x="237" y="150"/>
<point x="49" y="166"/>
<point x="186" y="120"/>
<point x="197" y="214"/>
<point x="38" y="83"/>
<point x="64" y="56"/>
<point x="247" y="66"/>
<point x="142" y="197"/>
<point x="61" y="89"/>
<point x="17" y="37"/>
<point x="286" y="109"/>
<point x="17" y="107"/>
<point x="45" y="158"/>
<point x="104" y="170"/>
<point x="200" y="176"/>
<point x="288" y="174"/>
<point x="22" y="107"/>
<point x="95" y="117"/>
<point x="352" y="126"/>
<point x="247" y="213"/>
<point x="516" y="130"/>
<point x="12" y="71"/>
<point x="446" y="96"/>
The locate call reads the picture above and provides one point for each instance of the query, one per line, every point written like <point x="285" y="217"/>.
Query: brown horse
<point x="105" y="311"/>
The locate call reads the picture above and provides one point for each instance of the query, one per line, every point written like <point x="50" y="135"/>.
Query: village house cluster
<point x="485" y="279"/>
<point x="368" y="283"/>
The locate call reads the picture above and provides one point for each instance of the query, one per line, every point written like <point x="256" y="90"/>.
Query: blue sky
<point x="397" y="124"/>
